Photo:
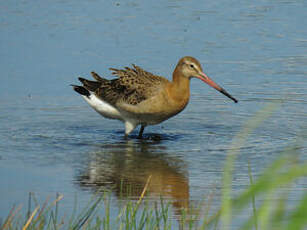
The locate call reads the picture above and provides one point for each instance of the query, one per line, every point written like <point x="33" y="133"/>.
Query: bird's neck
<point x="179" y="88"/>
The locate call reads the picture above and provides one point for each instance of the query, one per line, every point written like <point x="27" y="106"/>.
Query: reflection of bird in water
<point x="125" y="168"/>
<point x="138" y="97"/>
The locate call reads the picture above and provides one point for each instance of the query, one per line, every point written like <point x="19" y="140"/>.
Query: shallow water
<point x="52" y="141"/>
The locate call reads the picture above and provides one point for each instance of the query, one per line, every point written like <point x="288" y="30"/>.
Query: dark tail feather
<point x="81" y="90"/>
<point x="90" y="85"/>
<point x="97" y="77"/>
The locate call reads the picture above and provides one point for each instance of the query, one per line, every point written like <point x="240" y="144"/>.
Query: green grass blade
<point x="87" y="214"/>
<point x="237" y="143"/>
<point x="298" y="220"/>
<point x="279" y="213"/>
<point x="253" y="195"/>
<point x="262" y="185"/>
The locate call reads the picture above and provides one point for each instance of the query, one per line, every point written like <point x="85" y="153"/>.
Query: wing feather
<point x="132" y="86"/>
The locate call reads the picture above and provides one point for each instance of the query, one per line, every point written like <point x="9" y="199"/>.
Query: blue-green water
<point x="52" y="141"/>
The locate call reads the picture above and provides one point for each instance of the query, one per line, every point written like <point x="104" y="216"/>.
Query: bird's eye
<point x="192" y="66"/>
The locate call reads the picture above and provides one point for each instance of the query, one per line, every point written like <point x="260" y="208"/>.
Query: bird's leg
<point x="129" y="127"/>
<point x="141" y="131"/>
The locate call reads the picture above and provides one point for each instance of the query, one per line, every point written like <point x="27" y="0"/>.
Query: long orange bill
<point x="208" y="80"/>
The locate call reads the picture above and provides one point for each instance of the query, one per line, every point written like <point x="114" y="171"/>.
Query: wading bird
<point x="138" y="97"/>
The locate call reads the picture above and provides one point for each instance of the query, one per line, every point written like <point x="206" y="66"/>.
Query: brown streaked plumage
<point x="138" y="97"/>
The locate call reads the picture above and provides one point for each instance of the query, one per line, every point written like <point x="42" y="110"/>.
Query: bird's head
<point x="190" y="67"/>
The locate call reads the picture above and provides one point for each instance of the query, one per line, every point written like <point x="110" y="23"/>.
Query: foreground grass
<point x="271" y="211"/>
<point x="267" y="197"/>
